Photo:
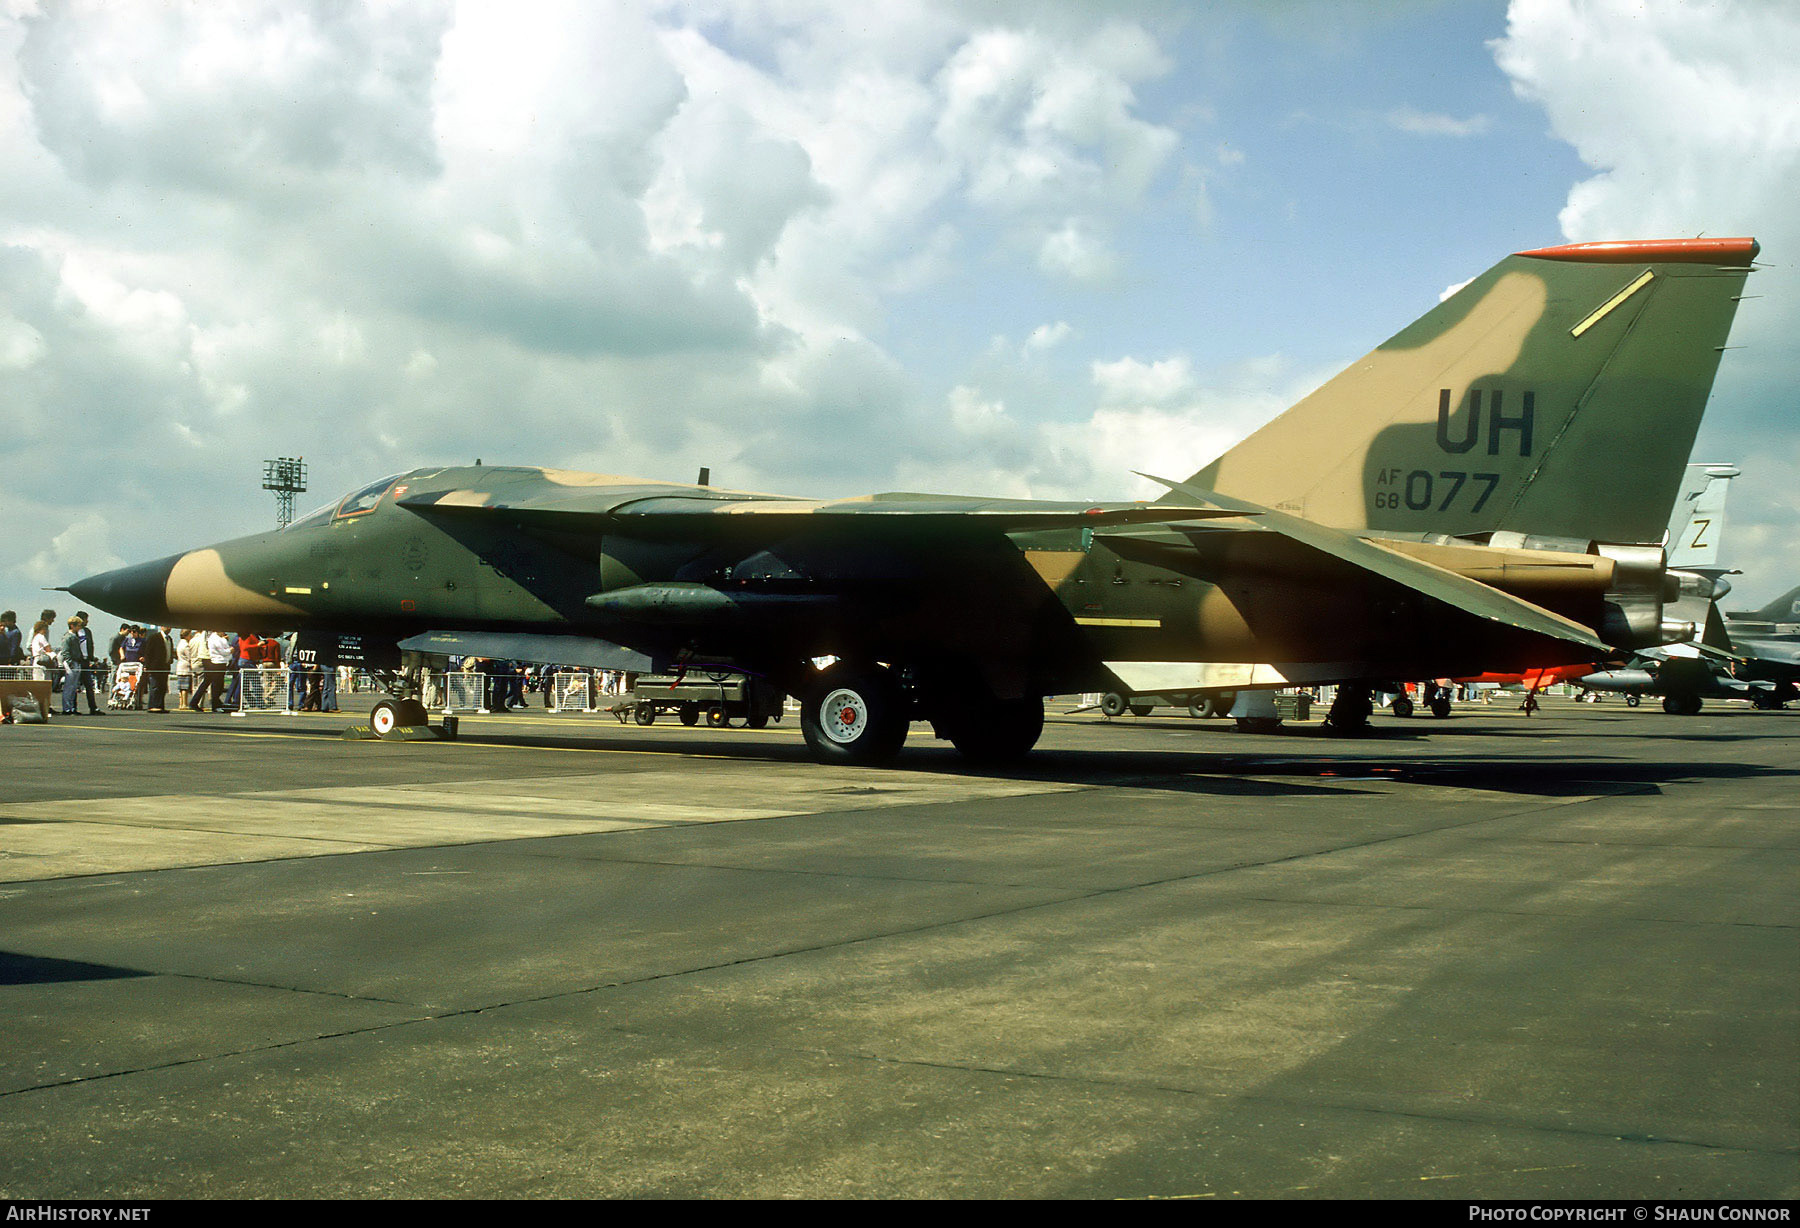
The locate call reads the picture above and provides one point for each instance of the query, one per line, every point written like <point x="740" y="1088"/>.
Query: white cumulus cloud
<point x="1689" y="116"/>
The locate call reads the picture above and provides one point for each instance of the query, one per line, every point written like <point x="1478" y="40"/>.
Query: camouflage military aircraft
<point x="1740" y="654"/>
<point x="1766" y="645"/>
<point x="1696" y="526"/>
<point x="1432" y="511"/>
<point x="1764" y="670"/>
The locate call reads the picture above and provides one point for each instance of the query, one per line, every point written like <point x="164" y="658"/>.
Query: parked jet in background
<point x="1766" y="645"/>
<point x="1431" y="511"/>
<point x="1692" y="543"/>
<point x="1780" y="615"/>
<point x="1753" y="655"/>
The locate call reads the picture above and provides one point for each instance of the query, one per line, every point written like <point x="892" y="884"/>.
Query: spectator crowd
<point x="144" y="668"/>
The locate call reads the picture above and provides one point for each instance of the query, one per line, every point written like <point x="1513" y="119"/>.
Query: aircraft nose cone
<point x="138" y="592"/>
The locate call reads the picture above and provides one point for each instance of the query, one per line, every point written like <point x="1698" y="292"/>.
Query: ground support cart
<point x="718" y="699"/>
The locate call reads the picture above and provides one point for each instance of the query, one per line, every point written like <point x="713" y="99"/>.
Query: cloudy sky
<point x="823" y="248"/>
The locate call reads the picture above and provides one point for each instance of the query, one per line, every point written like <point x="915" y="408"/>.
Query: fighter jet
<point x="1432" y="511"/>
<point x="1753" y="655"/>
<point x="1696" y="525"/>
<point x="1766" y="646"/>
<point x="1780" y="616"/>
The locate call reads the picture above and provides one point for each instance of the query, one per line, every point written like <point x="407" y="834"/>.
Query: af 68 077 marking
<point x="1416" y="488"/>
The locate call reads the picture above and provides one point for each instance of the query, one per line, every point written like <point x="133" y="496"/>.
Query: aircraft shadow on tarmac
<point x="1534" y="776"/>
<point x="1432" y="729"/>
<point x="17" y="969"/>
<point x="1312" y="765"/>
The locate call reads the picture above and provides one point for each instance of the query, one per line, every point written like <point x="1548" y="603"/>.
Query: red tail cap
<point x="1654" y="251"/>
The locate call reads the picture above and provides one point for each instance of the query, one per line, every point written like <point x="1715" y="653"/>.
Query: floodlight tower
<point x="287" y="478"/>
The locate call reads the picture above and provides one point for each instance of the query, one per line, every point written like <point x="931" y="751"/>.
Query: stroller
<point x="126" y="681"/>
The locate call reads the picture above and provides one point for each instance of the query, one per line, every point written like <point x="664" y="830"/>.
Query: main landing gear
<point x="1350" y="711"/>
<point x="857" y="713"/>
<point x="854" y="714"/>
<point x="991" y="730"/>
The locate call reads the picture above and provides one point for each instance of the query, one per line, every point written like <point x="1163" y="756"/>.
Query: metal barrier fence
<point x="574" y="691"/>
<point x="95" y="684"/>
<point x="263" y="689"/>
<point x="288" y="691"/>
<point x="464" y="691"/>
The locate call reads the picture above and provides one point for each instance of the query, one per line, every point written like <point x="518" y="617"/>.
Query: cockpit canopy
<point x="356" y="503"/>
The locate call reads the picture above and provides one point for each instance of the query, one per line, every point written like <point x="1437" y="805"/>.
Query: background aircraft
<point x="1753" y="655"/>
<point x="1429" y="512"/>
<point x="1766" y="646"/>
<point x="1696" y="524"/>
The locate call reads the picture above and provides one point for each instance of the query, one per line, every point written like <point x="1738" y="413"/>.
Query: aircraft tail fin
<point x="1698" y="522"/>
<point x="1784" y="609"/>
<point x="1556" y="395"/>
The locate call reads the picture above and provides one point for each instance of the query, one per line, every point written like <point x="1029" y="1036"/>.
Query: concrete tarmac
<point x="1484" y="957"/>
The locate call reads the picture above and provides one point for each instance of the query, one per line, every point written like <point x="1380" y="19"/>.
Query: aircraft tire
<point x="1113" y="704"/>
<point x="1632" y="701"/>
<point x="1200" y="708"/>
<point x="1440" y="708"/>
<point x="1681" y="705"/>
<point x="391" y="714"/>
<point x="853" y="714"/>
<point x="994" y="731"/>
<point x="757" y="722"/>
<point x="1349" y="714"/>
<point x="1142" y="709"/>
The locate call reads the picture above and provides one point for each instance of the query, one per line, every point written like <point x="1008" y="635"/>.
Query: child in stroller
<point x="126" y="681"/>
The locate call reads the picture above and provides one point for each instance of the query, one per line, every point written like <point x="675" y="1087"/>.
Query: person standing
<point x="215" y="664"/>
<point x="43" y="655"/>
<point x="155" y="655"/>
<point x="234" y="668"/>
<point x="184" y="668"/>
<point x="87" y="645"/>
<point x="131" y="652"/>
<point x="269" y="664"/>
<point x="78" y="672"/>
<point x="115" y="655"/>
<point x="12" y="648"/>
<point x="491" y="699"/>
<point x="298" y="675"/>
